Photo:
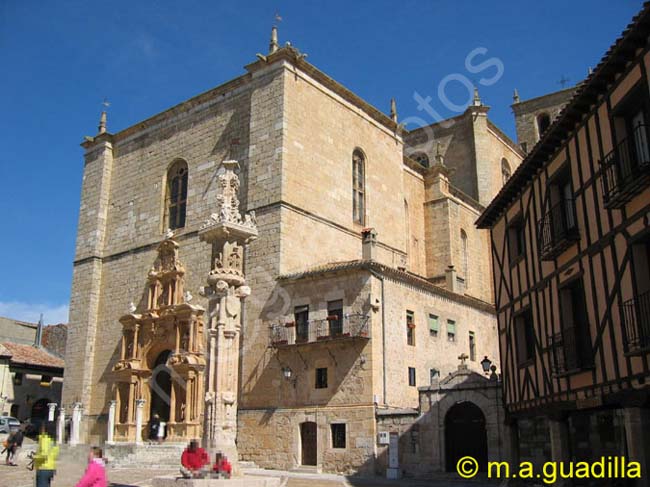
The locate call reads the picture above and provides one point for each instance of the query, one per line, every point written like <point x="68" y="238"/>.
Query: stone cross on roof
<point x="463" y="357"/>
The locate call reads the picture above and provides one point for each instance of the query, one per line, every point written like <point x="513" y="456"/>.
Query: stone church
<point x="365" y="282"/>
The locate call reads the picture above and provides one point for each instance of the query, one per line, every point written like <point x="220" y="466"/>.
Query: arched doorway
<point x="465" y="435"/>
<point x="308" y="442"/>
<point x="161" y="387"/>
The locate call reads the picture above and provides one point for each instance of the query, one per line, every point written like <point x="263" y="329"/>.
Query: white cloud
<point x="31" y="312"/>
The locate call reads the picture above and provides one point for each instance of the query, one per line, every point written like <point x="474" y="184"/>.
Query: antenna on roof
<point x="39" y="332"/>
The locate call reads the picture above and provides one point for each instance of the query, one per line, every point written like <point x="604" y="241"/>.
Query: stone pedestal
<point x="60" y="427"/>
<point x="76" y="424"/>
<point x="139" y="406"/>
<point x="111" y="422"/>
<point x="172" y="481"/>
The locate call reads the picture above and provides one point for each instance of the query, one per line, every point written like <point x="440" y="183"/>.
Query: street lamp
<point x="485" y="363"/>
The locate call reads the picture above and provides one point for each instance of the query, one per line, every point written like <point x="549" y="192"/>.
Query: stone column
<point x="139" y="405"/>
<point x="637" y="425"/>
<point x="51" y="409"/>
<point x="559" y="433"/>
<point x="60" y="428"/>
<point x="228" y="233"/>
<point x="111" y="422"/>
<point x="76" y="424"/>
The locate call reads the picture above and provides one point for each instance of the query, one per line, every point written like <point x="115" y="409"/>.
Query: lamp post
<point x="485" y="363"/>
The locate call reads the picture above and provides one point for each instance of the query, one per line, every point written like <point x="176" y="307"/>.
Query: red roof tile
<point x="30" y="355"/>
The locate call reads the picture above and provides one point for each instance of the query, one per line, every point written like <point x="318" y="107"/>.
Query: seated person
<point x="193" y="461"/>
<point x="222" y="467"/>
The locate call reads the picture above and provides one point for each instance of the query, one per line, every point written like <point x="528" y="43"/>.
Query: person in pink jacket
<point x="95" y="474"/>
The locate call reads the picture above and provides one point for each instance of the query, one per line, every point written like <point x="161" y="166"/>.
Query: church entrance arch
<point x="465" y="435"/>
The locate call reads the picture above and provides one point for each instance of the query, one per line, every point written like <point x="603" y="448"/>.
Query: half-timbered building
<point x="571" y="252"/>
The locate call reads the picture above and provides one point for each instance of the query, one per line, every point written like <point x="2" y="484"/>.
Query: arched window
<point x="505" y="170"/>
<point x="421" y="158"/>
<point x="176" y="200"/>
<point x="465" y="256"/>
<point x="358" y="187"/>
<point x="543" y="122"/>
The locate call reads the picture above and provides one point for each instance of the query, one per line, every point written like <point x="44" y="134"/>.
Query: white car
<point x="9" y="424"/>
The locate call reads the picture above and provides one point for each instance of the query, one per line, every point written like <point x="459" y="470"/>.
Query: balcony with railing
<point x="333" y="328"/>
<point x="636" y="319"/>
<point x="625" y="170"/>
<point x="558" y="229"/>
<point x="570" y="351"/>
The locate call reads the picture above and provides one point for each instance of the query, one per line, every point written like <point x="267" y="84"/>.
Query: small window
<point x="472" y="346"/>
<point x="434" y="326"/>
<point x="421" y="158"/>
<point x="358" y="187"/>
<point x="176" y="195"/>
<point x="335" y="317"/>
<point x="505" y="170"/>
<point x="321" y="378"/>
<point x="301" y="317"/>
<point x="451" y="330"/>
<point x="410" y="328"/>
<point x="516" y="239"/>
<point x="18" y="378"/>
<point x="434" y="375"/>
<point x="46" y="380"/>
<point x="525" y="337"/>
<point x="576" y="336"/>
<point x="543" y="123"/>
<point x="412" y="376"/>
<point x="338" y="435"/>
<point x="415" y="441"/>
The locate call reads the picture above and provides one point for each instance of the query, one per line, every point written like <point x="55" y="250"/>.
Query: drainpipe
<point x="383" y="332"/>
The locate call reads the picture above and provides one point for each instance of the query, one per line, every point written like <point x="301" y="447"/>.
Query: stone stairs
<point x="149" y="456"/>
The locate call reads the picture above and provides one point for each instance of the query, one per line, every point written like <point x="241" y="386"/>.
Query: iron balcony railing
<point x="570" y="351"/>
<point x="558" y="229"/>
<point x="626" y="169"/>
<point x="636" y="318"/>
<point x="349" y="326"/>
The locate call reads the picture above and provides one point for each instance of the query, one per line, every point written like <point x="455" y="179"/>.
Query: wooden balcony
<point x="625" y="170"/>
<point x="557" y="229"/>
<point x="636" y="322"/>
<point x="349" y="327"/>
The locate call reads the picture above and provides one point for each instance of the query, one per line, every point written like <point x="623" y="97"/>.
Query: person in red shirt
<point x="222" y="467"/>
<point x="193" y="461"/>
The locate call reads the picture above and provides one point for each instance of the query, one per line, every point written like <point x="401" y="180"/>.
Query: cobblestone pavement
<point x="70" y="470"/>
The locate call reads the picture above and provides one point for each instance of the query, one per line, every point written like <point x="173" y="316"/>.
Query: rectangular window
<point x="321" y="378"/>
<point x="451" y="330"/>
<point x="516" y="239"/>
<point x="338" y="435"/>
<point x="525" y="337"/>
<point x="301" y="317"/>
<point x="18" y="378"/>
<point x="434" y="375"/>
<point x="412" y="376"/>
<point x="576" y="337"/>
<point x="410" y="328"/>
<point x="335" y="317"/>
<point x="472" y="346"/>
<point x="434" y="326"/>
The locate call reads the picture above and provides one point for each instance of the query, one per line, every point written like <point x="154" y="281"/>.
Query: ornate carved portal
<point x="228" y="233"/>
<point x="162" y="355"/>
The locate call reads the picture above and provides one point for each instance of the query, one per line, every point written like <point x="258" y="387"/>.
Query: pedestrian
<point x="154" y="426"/>
<point x="161" y="431"/>
<point x="194" y="461"/>
<point x="95" y="474"/>
<point x="45" y="458"/>
<point x="14" y="443"/>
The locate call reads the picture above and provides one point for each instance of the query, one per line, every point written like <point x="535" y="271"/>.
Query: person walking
<point x="95" y="474"/>
<point x="45" y="458"/>
<point x="14" y="443"/>
<point x="154" y="427"/>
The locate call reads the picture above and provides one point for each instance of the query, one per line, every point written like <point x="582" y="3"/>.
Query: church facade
<point x="368" y="277"/>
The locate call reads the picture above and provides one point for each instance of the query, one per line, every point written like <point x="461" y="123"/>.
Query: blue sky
<point x="60" y="59"/>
